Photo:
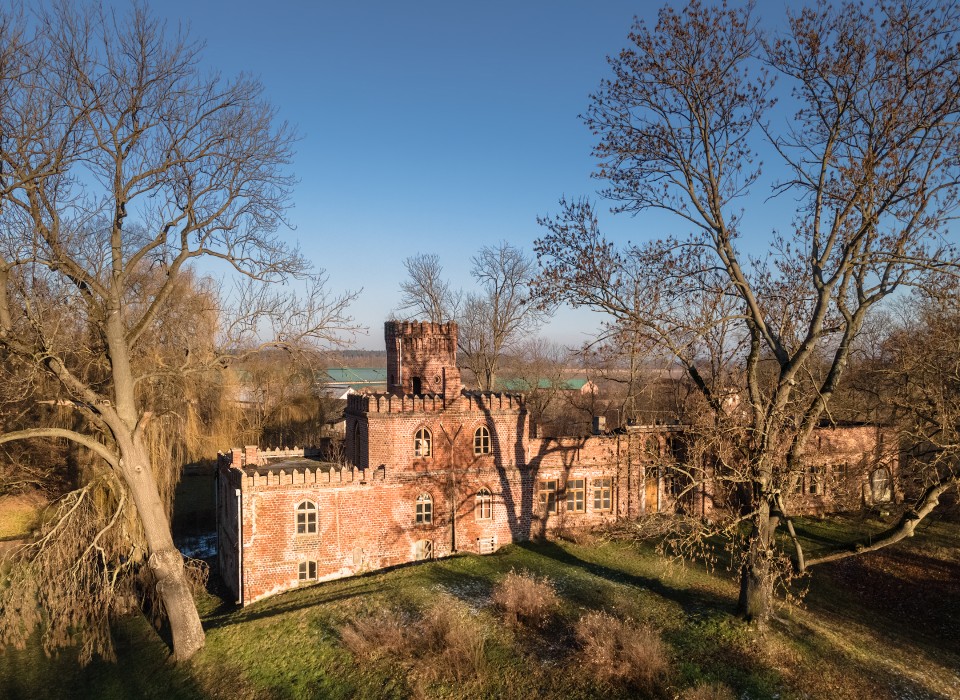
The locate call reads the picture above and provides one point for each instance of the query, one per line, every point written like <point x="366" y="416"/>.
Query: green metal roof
<point x="353" y="376"/>
<point x="575" y="384"/>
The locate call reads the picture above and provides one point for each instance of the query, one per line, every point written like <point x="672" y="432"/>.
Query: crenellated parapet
<point x="395" y="403"/>
<point x="479" y="401"/>
<point x="253" y="455"/>
<point x="320" y="475"/>
<point x="421" y="328"/>
<point x="492" y="401"/>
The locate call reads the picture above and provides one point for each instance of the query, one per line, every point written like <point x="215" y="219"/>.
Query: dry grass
<point x="441" y="643"/>
<point x="620" y="651"/>
<point x="455" y="644"/>
<point x="709" y="691"/>
<point x="19" y="514"/>
<point x="383" y="633"/>
<point x="527" y="600"/>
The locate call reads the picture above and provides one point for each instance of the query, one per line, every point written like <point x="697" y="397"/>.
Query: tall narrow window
<point x="653" y="447"/>
<point x="484" y="504"/>
<point x="306" y="518"/>
<point x="481" y="441"/>
<point x="356" y="445"/>
<point x="815" y="481"/>
<point x="422" y="443"/>
<point x="602" y="494"/>
<point x="576" y="496"/>
<point x="842" y="472"/>
<point x="424" y="509"/>
<point x="880" y="485"/>
<point x="547" y="495"/>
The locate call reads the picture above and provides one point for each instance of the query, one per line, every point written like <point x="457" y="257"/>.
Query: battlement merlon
<point x="480" y="401"/>
<point x="253" y="455"/>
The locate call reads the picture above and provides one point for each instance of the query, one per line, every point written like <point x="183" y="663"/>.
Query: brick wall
<point x="402" y="446"/>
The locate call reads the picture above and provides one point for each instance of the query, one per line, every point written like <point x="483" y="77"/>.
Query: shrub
<point x="621" y="651"/>
<point x="444" y="640"/>
<point x="383" y="633"/>
<point x="709" y="691"/>
<point x="455" y="642"/>
<point x="525" y="599"/>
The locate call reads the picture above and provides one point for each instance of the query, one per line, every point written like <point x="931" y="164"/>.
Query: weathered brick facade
<point x="433" y="469"/>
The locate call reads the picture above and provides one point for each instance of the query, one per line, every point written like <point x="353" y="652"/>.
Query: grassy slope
<point x="865" y="630"/>
<point x="18" y="515"/>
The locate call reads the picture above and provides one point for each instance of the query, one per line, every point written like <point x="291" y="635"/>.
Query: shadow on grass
<point x="143" y="670"/>
<point x="231" y="614"/>
<point x="689" y="598"/>
<point x="896" y="594"/>
<point x="227" y="613"/>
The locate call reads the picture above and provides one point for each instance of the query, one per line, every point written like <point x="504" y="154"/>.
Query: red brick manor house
<point x="432" y="468"/>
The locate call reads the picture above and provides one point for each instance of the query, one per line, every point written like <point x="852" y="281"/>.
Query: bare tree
<point x="870" y="157"/>
<point x="425" y="293"/>
<point x="917" y="381"/>
<point x="121" y="163"/>
<point x="537" y="367"/>
<point x="503" y="313"/>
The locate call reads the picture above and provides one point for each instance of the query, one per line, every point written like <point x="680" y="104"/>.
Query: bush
<point x="455" y="642"/>
<point x="621" y="651"/>
<point x="444" y="639"/>
<point x="525" y="599"/>
<point x="383" y="633"/>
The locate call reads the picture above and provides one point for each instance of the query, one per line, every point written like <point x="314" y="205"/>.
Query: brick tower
<point x="422" y="358"/>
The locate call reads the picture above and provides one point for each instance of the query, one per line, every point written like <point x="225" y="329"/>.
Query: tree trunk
<point x="757" y="574"/>
<point x="164" y="560"/>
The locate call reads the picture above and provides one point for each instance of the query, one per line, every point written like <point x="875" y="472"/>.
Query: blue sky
<point x="430" y="127"/>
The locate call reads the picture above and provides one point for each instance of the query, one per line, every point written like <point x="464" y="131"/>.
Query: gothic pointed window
<point x="484" y="504"/>
<point x="422" y="443"/>
<point x="481" y="441"/>
<point x="880" y="485"/>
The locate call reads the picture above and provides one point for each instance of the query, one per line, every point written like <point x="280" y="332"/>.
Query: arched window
<point x="307" y="571"/>
<point x="481" y="441"/>
<point x="880" y="485"/>
<point x="306" y="518"/>
<point x="424" y="509"/>
<point x="422" y="443"/>
<point x="484" y="504"/>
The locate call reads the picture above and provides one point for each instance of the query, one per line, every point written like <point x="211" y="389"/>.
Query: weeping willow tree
<point x="89" y="561"/>
<point x="123" y="162"/>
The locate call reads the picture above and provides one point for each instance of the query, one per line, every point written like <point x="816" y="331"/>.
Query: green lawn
<point x="881" y="626"/>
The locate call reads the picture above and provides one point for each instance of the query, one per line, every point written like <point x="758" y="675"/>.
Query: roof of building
<point x="352" y="376"/>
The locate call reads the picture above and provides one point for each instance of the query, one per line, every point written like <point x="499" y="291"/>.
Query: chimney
<point x="599" y="425"/>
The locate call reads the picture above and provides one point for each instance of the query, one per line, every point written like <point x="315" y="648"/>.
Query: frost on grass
<point x="476" y="595"/>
